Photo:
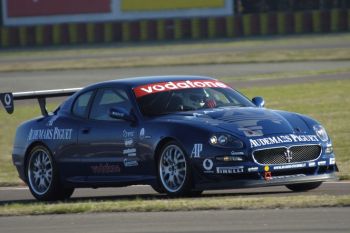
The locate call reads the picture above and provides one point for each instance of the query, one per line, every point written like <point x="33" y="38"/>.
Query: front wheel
<point x="174" y="171"/>
<point x="303" y="187"/>
<point x="42" y="175"/>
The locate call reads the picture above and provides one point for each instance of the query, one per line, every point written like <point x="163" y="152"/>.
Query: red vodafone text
<point x="176" y="85"/>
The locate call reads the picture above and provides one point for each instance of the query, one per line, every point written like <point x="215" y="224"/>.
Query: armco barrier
<point x="279" y="23"/>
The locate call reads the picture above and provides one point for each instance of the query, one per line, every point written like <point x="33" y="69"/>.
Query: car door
<point x="108" y="146"/>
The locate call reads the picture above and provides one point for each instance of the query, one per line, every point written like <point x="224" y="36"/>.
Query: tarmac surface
<point x="314" y="220"/>
<point x="43" y="80"/>
<point x="22" y="194"/>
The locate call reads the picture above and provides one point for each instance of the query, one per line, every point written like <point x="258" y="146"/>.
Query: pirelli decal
<point x="176" y="85"/>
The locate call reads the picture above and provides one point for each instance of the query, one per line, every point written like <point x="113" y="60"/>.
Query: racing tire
<point x="303" y="187"/>
<point x="43" y="178"/>
<point x="158" y="189"/>
<point x="174" y="171"/>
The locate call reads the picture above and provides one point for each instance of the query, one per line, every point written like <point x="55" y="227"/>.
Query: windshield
<point x="163" y="98"/>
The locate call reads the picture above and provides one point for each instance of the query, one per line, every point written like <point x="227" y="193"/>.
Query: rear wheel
<point x="174" y="171"/>
<point x="303" y="187"/>
<point x="42" y="175"/>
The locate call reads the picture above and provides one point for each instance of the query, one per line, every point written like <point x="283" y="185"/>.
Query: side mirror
<point x="121" y="114"/>
<point x="259" y="101"/>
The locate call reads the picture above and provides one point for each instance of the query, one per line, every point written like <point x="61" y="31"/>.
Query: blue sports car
<point x="179" y="134"/>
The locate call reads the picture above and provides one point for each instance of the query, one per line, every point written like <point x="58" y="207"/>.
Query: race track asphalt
<point x="22" y="194"/>
<point x="42" y="80"/>
<point x="315" y="220"/>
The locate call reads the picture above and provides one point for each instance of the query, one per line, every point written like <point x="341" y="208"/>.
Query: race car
<point x="180" y="134"/>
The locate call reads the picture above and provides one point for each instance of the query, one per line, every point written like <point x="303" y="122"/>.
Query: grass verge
<point x="184" y="204"/>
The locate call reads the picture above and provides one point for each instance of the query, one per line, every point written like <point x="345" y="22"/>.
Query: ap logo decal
<point x="196" y="151"/>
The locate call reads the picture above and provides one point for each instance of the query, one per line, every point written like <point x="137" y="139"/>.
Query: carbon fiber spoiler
<point x="8" y="98"/>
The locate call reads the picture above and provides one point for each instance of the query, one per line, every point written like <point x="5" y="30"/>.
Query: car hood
<point x="248" y="121"/>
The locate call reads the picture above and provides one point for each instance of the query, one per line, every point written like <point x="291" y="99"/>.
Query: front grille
<point x="282" y="155"/>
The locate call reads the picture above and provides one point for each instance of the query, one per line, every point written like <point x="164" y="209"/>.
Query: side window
<point x="81" y="104"/>
<point x="107" y="99"/>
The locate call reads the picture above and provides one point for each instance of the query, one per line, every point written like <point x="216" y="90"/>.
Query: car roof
<point x="144" y="80"/>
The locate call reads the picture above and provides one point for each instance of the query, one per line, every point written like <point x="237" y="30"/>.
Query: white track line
<point x="12" y="188"/>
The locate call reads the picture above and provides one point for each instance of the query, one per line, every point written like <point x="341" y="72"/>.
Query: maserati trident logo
<point x="288" y="155"/>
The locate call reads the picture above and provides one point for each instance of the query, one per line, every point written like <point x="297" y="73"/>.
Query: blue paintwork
<point x="96" y="146"/>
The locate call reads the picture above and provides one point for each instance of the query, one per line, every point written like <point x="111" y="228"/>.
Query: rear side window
<point x="81" y="104"/>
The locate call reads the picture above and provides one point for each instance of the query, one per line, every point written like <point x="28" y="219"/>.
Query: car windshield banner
<point x="176" y="85"/>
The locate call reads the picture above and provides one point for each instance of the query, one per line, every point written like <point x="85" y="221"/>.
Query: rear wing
<point x="7" y="99"/>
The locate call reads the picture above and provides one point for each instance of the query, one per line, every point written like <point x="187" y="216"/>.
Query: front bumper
<point x="274" y="181"/>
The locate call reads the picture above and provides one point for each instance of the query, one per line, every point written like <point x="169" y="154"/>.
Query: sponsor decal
<point x="237" y="153"/>
<point x="50" y="134"/>
<point x="142" y="134"/>
<point x="130" y="163"/>
<point x="322" y="163"/>
<point x="282" y="139"/>
<point x="208" y="164"/>
<point x="312" y="164"/>
<point x="196" y="151"/>
<point x="266" y="168"/>
<point x="289" y="166"/>
<point x="253" y="169"/>
<point x="331" y="161"/>
<point x="229" y="170"/>
<point x="52" y="120"/>
<point x="129" y="142"/>
<point x="128" y="134"/>
<point x="118" y="114"/>
<point x="287" y="177"/>
<point x="7" y="100"/>
<point x="105" y="169"/>
<point x="130" y="152"/>
<point x="176" y="85"/>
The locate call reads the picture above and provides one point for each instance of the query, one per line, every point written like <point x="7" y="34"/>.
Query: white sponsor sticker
<point x="289" y="166"/>
<point x="237" y="153"/>
<point x="229" y="170"/>
<point x="176" y="85"/>
<point x="322" y="163"/>
<point x="253" y="169"/>
<point x="196" y="151"/>
<point x="129" y="142"/>
<point x="50" y="134"/>
<point x="282" y="139"/>
<point x="142" y="134"/>
<point x="332" y="161"/>
<point x="130" y="163"/>
<point x="208" y="164"/>
<point x="287" y="176"/>
<point x="7" y="99"/>
<point x="128" y="134"/>
<point x="312" y="164"/>
<point x="130" y="152"/>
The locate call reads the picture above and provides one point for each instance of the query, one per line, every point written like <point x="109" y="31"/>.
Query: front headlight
<point x="225" y="140"/>
<point x="321" y="132"/>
